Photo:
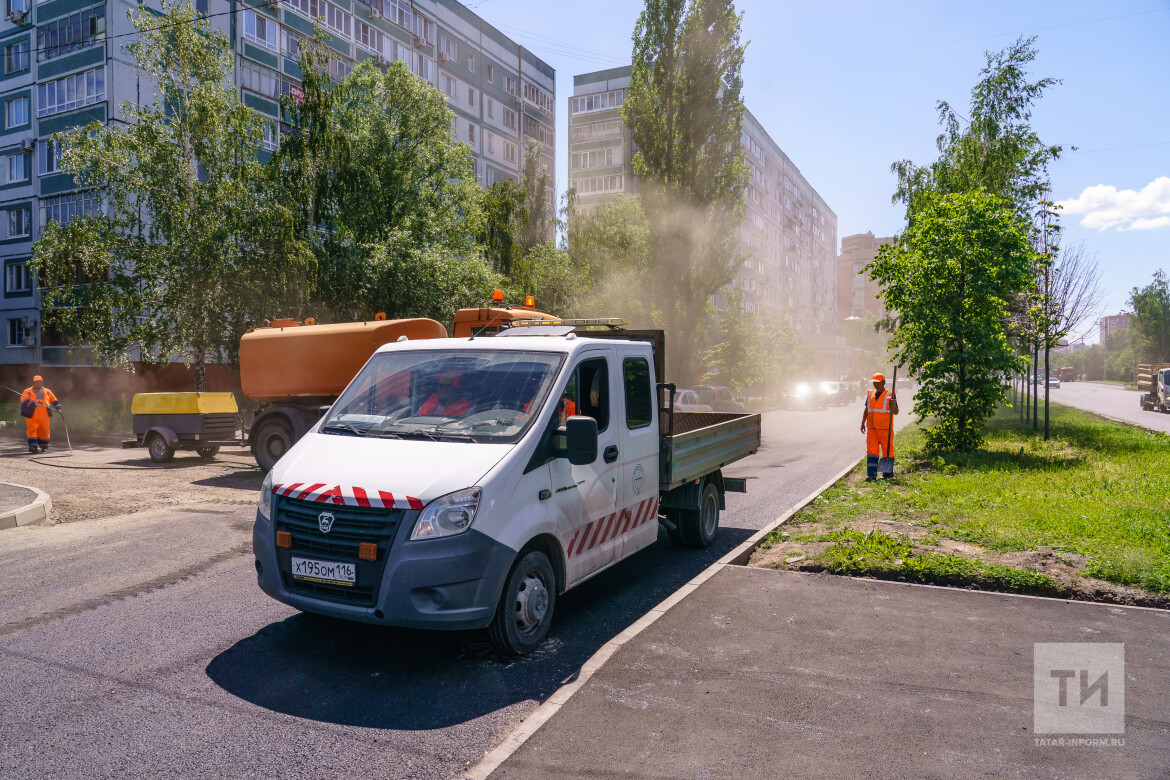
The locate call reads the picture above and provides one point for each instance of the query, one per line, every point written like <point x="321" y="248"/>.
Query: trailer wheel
<point x="271" y="442"/>
<point x="525" y="611"/>
<point x="158" y="449"/>
<point x="697" y="528"/>
<point x="207" y="453"/>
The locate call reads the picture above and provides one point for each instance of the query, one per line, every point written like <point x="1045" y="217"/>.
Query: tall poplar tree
<point x="189" y="245"/>
<point x="685" y="113"/>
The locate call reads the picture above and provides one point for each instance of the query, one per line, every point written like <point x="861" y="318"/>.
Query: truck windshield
<point x="487" y="396"/>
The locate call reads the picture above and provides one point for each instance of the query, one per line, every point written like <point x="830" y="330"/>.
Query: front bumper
<point x="452" y="583"/>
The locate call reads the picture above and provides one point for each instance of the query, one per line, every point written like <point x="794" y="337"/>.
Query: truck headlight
<point x="447" y="515"/>
<point x="265" y="506"/>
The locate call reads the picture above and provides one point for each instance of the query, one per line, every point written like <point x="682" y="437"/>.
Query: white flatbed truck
<point x="467" y="483"/>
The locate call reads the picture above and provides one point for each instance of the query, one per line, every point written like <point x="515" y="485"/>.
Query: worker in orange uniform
<point x="880" y="407"/>
<point x="448" y="398"/>
<point x="34" y="406"/>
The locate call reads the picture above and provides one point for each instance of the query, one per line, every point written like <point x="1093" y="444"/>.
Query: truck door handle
<point x="610" y="454"/>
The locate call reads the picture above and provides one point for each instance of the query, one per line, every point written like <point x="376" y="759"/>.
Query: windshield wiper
<point x="343" y="428"/>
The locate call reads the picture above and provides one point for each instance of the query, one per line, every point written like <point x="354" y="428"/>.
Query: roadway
<point x="1108" y="400"/>
<point x="138" y="645"/>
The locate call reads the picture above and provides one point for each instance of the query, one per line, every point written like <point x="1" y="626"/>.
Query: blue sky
<point x="846" y="88"/>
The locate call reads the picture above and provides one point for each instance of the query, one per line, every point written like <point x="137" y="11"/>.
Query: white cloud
<point x="1107" y="207"/>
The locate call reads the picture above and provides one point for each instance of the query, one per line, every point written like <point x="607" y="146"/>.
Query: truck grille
<point x="352" y="525"/>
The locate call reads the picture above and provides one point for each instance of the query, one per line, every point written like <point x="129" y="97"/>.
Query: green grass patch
<point x="1097" y="489"/>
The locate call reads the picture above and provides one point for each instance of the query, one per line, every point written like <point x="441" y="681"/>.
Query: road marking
<point x="531" y="724"/>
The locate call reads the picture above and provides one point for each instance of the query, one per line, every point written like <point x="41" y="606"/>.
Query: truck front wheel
<point x="271" y="442"/>
<point x="697" y="527"/>
<point x="525" y="611"/>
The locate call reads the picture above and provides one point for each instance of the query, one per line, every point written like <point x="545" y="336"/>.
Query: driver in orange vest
<point x="448" y="399"/>
<point x="34" y="405"/>
<point x="880" y="407"/>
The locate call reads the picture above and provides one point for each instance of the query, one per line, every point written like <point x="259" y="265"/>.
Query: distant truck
<point x="292" y="369"/>
<point x="1068" y="374"/>
<point x="1152" y="384"/>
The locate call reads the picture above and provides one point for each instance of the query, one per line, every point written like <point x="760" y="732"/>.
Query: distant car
<point x="688" y="401"/>
<point x="803" y="395"/>
<point x="720" y="398"/>
<point x="837" y="393"/>
<point x="1054" y="381"/>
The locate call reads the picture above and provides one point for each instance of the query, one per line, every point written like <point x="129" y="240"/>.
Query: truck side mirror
<point x="581" y="440"/>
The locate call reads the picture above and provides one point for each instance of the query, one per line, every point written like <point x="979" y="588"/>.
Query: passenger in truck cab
<point x="448" y="399"/>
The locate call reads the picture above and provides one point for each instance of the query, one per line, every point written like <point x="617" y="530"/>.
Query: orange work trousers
<point x="37" y="427"/>
<point x="876" y="440"/>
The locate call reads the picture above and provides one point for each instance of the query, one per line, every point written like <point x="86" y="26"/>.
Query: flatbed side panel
<point x="696" y="453"/>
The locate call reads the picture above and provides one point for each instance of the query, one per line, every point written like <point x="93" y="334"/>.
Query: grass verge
<point x="1084" y="515"/>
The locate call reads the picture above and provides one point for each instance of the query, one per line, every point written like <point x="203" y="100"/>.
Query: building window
<point x="471" y="97"/>
<point x="471" y="134"/>
<point x="18" y="335"/>
<point x="597" y="158"/>
<point x="396" y="11"/>
<point x="271" y="139"/>
<point x="599" y="102"/>
<point x="448" y="49"/>
<point x="538" y="97"/>
<point x="471" y="62"/>
<point x="339" y="68"/>
<point x="16" y="57"/>
<point x="80" y="89"/>
<point x="423" y="67"/>
<point x="19" y="6"/>
<point x="509" y="151"/>
<point x="491" y="69"/>
<point x="489" y="143"/>
<point x="19" y="224"/>
<point x="597" y="130"/>
<point x="16" y="112"/>
<point x="598" y="185"/>
<point x="369" y="37"/>
<point x="66" y="208"/>
<point x="202" y="6"/>
<point x="260" y="29"/>
<point x="491" y="108"/>
<point x="70" y="33"/>
<point x="17" y="279"/>
<point x="424" y="28"/>
<point x="17" y="168"/>
<point x="259" y="79"/>
<point x="447" y="84"/>
<point x="509" y="119"/>
<point x="510" y="85"/>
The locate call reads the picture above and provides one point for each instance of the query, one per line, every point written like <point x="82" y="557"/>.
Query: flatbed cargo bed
<point x="704" y="442"/>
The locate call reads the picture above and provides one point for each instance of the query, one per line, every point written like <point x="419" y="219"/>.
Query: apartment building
<point x="64" y="66"/>
<point x="789" y="232"/>
<point x="1111" y="324"/>
<point x="856" y="292"/>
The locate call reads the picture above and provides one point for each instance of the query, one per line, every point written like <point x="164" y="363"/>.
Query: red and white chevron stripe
<point x="596" y="532"/>
<point x="346" y="495"/>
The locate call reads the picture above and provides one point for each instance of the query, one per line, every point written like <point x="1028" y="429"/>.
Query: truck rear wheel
<point x="525" y="611"/>
<point x="158" y="449"/>
<point x="697" y="528"/>
<point x="271" y="442"/>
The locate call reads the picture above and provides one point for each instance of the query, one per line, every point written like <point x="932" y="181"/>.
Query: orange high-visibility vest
<point x="879" y="417"/>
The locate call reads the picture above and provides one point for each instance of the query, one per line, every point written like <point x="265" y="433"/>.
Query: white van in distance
<point x="466" y="483"/>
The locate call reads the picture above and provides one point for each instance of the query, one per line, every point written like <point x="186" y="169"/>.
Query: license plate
<point x="331" y="572"/>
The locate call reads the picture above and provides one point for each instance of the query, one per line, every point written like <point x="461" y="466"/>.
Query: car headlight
<point x="264" y="509"/>
<point x="802" y="390"/>
<point x="447" y="515"/>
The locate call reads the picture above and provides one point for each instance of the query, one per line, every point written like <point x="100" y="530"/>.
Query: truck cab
<point x="467" y="483"/>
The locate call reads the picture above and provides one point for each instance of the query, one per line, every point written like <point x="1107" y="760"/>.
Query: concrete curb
<point x="35" y="513"/>
<point x="737" y="557"/>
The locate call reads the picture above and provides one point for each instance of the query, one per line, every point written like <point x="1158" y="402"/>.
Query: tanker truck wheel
<point x="271" y="442"/>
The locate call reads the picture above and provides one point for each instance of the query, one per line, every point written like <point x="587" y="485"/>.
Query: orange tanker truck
<point x="292" y="369"/>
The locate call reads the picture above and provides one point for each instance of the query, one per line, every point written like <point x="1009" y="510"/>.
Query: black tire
<point x="525" y="611"/>
<point x="270" y="443"/>
<point x="207" y="453"/>
<point x="698" y="528"/>
<point x="158" y="449"/>
<point x="675" y="536"/>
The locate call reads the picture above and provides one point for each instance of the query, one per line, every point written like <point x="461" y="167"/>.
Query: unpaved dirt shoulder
<point x="97" y="482"/>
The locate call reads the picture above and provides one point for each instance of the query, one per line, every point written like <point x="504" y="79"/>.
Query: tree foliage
<point x="505" y="219"/>
<point x="539" y="216"/>
<point x="1150" y="320"/>
<point x="611" y="245"/>
<point x="191" y="245"/>
<point x="388" y="197"/>
<point x="951" y="275"/>
<point x="685" y="114"/>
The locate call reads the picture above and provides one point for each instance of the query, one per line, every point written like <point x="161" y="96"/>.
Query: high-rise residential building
<point x="789" y="232"/>
<point x="64" y="66"/>
<point x="1110" y="325"/>
<point x="856" y="292"/>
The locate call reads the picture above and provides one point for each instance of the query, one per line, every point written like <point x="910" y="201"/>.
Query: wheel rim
<point x="531" y="603"/>
<point x="158" y="447"/>
<point x="710" y="519"/>
<point x="275" y="447"/>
